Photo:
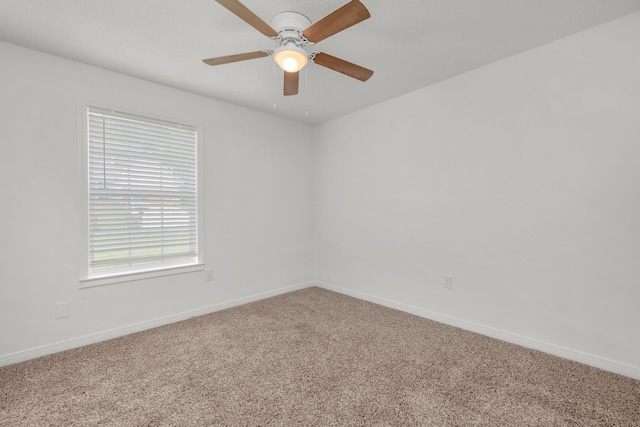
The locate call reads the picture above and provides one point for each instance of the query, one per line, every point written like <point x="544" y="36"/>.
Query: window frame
<point x="91" y="279"/>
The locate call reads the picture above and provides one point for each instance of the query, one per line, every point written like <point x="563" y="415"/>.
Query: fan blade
<point x="249" y="17"/>
<point x="235" y="58"/>
<point x="338" y="20"/>
<point x="291" y="83"/>
<point x="342" y="66"/>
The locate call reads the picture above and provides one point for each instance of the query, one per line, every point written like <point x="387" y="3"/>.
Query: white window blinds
<point x="142" y="193"/>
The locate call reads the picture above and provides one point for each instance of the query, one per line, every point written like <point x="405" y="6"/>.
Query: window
<point x="143" y="194"/>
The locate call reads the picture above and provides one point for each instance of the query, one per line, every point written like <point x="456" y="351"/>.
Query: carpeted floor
<point x="311" y="357"/>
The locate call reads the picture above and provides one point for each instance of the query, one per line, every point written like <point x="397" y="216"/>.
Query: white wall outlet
<point x="209" y="275"/>
<point x="62" y="309"/>
<point x="448" y="282"/>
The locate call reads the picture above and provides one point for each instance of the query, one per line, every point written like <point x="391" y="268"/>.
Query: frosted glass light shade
<point x="291" y="59"/>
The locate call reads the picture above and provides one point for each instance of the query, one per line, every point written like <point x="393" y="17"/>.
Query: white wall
<point x="258" y="230"/>
<point x="520" y="179"/>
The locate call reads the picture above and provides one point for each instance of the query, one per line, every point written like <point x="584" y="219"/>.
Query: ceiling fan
<point x="293" y="32"/>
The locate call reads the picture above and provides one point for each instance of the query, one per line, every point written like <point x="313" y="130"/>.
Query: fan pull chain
<point x="275" y="85"/>
<point x="306" y="90"/>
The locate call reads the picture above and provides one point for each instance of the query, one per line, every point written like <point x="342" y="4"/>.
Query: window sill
<point x="90" y="282"/>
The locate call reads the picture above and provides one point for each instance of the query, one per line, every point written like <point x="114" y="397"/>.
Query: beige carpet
<point x="311" y="357"/>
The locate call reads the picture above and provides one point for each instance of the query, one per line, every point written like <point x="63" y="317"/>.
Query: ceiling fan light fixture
<point x="291" y="58"/>
<point x="293" y="31"/>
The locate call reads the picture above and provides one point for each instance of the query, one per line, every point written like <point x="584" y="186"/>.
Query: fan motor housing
<point x="289" y="26"/>
<point x="290" y="20"/>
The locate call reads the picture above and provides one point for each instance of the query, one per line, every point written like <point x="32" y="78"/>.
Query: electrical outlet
<point x="448" y="282"/>
<point x="62" y="310"/>
<point x="209" y="275"/>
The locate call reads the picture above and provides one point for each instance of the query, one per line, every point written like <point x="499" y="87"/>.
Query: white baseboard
<point x="566" y="353"/>
<point x="588" y="359"/>
<point x="21" y="356"/>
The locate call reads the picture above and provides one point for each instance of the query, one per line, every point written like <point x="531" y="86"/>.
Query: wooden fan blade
<point x="249" y="17"/>
<point x="342" y="66"/>
<point x="291" y="83"/>
<point x="235" y="58"/>
<point x="338" y="20"/>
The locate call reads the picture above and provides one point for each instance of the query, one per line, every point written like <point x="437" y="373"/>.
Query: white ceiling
<point x="408" y="43"/>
